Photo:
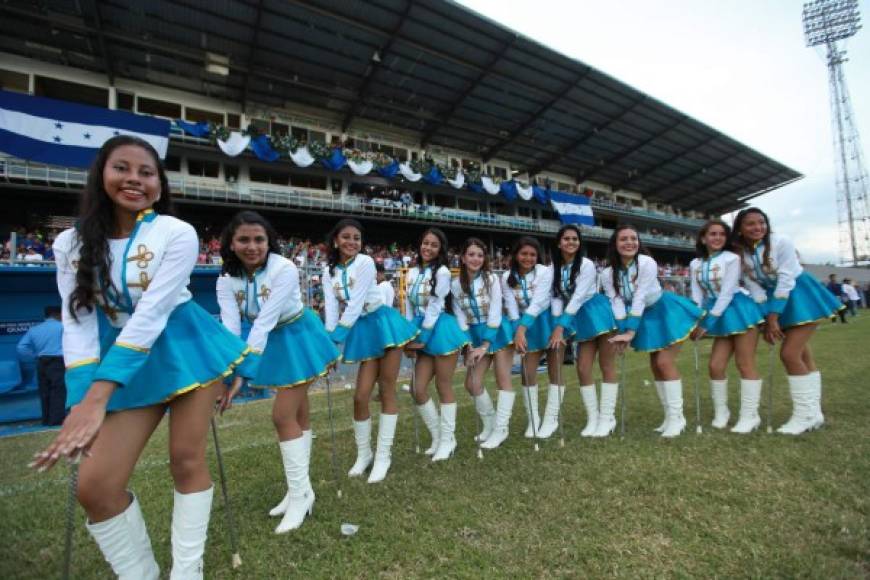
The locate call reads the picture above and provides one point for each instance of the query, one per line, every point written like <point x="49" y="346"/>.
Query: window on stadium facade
<point x="279" y="129"/>
<point x="199" y="115"/>
<point x="158" y="108"/>
<point x="203" y="168"/>
<point x="14" y="81"/>
<point x="468" y="204"/>
<point x="74" y="92"/>
<point x="125" y="101"/>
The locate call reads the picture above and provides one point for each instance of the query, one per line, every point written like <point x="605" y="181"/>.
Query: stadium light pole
<point x="827" y="22"/>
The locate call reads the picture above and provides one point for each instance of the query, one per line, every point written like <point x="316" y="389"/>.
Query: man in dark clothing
<point x="43" y="343"/>
<point x="836" y="289"/>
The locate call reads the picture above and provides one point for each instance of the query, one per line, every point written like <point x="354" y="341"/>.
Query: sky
<point x="739" y="66"/>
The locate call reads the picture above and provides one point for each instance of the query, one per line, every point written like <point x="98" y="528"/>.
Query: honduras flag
<point x="62" y="133"/>
<point x="572" y="208"/>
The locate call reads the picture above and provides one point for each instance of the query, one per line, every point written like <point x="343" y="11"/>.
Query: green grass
<point x="715" y="505"/>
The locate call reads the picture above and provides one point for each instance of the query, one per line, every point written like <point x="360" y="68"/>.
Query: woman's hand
<point x="79" y="429"/>
<point x="621" y="341"/>
<point x="473" y="356"/>
<point x="520" y="343"/>
<point x="225" y="400"/>
<point x="698" y="333"/>
<point x="772" y="332"/>
<point x="556" y="339"/>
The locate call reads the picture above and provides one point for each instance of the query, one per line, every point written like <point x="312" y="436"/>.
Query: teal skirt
<point x="740" y="315"/>
<point x="445" y="338"/>
<point x="502" y="338"/>
<point x="538" y="334"/>
<point x="808" y="302"/>
<point x="666" y="322"/>
<point x="296" y="352"/>
<point x="374" y="333"/>
<point x="193" y="351"/>
<point x="593" y="319"/>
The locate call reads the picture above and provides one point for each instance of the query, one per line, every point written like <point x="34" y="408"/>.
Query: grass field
<point x="705" y="506"/>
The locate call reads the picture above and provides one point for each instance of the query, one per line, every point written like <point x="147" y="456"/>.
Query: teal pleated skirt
<point x="374" y="333"/>
<point x="538" y="334"/>
<point x="740" y="315"/>
<point x="502" y="338"/>
<point x="193" y="351"/>
<point x="671" y="319"/>
<point x="593" y="319"/>
<point x="446" y="336"/>
<point x="808" y="302"/>
<point x="296" y="352"/>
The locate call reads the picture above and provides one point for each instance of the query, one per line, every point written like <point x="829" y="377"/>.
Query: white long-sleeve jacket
<point x="717" y="276"/>
<point x="778" y="276"/>
<point x="530" y="297"/>
<point x="585" y="287"/>
<point x="353" y="286"/>
<point x="638" y="288"/>
<point x="480" y="305"/>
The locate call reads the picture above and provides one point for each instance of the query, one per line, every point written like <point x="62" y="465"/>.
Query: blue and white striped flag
<point x="572" y="208"/>
<point x="62" y="133"/>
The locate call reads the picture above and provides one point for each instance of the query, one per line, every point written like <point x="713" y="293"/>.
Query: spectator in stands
<point x="31" y="255"/>
<point x="43" y="344"/>
<point x="385" y="286"/>
<point x="836" y="289"/>
<point x="851" y="295"/>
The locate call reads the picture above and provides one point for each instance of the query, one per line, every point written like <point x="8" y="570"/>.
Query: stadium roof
<point x="433" y="67"/>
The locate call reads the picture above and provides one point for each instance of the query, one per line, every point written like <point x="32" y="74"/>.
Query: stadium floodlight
<point x="825" y="23"/>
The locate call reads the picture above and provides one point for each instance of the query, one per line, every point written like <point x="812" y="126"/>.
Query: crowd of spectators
<point x="31" y="246"/>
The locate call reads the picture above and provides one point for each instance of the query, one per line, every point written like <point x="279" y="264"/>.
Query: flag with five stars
<point x="70" y="134"/>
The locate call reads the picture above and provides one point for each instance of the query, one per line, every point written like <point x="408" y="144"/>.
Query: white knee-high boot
<point x="447" y="438"/>
<point x="383" y="454"/>
<point x="674" y="398"/>
<point x="817" y="399"/>
<point x="190" y="515"/>
<point x="750" y="395"/>
<point x="555" y="394"/>
<point x="606" y="410"/>
<point x="295" y="455"/>
<point x="362" y="433"/>
<point x="429" y="414"/>
<point x="530" y="400"/>
<point x="590" y="402"/>
<point x="483" y="405"/>
<point x="803" y="397"/>
<point x="719" y="394"/>
<point x="660" y="391"/>
<point x="505" y="407"/>
<point x="125" y="545"/>
<point x="279" y="509"/>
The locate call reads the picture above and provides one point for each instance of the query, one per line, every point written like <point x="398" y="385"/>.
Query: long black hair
<point x="96" y="224"/>
<point x="334" y="255"/>
<point x="614" y="260"/>
<point x="523" y="241"/>
<point x="464" y="276"/>
<point x="701" y="249"/>
<point x="440" y="260"/>
<point x="739" y="244"/>
<point x="576" y="263"/>
<point x="231" y="263"/>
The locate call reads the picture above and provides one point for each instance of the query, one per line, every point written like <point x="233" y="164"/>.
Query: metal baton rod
<point x="622" y="386"/>
<point x="414" y="411"/>
<point x="698" y="428"/>
<point x="231" y="521"/>
<point x="335" y="473"/>
<point x="70" y="517"/>
<point x="529" y="410"/>
<point x="560" y="360"/>
<point x="479" y="423"/>
<point x="770" y="389"/>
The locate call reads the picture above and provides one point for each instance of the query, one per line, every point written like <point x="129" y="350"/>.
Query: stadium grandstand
<point x="400" y="113"/>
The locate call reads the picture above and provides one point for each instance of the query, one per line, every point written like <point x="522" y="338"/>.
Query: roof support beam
<point x="255" y="41"/>
<point x="619" y="158"/>
<point x="101" y="40"/>
<point x="645" y="173"/>
<point x="585" y="136"/>
<point x="448" y="115"/>
<point x="494" y="149"/>
<point x="375" y="63"/>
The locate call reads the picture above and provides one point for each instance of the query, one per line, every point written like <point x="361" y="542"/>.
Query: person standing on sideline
<point x="373" y="335"/>
<point x="732" y="319"/>
<point x="836" y="289"/>
<point x="385" y="286"/>
<point x="290" y="348"/>
<point x="794" y="303"/>
<point x="43" y="344"/>
<point x="131" y="260"/>
<point x="650" y="321"/>
<point x="851" y="295"/>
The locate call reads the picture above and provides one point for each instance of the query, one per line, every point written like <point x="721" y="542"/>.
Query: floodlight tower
<point x="825" y="23"/>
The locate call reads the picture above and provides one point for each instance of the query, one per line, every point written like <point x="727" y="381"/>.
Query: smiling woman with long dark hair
<point x="132" y="262"/>
<point x="290" y="346"/>
<point x="793" y="302"/>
